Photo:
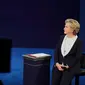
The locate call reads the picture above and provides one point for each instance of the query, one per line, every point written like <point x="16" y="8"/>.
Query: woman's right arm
<point x="56" y="52"/>
<point x="56" y="56"/>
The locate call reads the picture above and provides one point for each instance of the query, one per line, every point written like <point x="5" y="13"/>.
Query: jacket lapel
<point x="71" y="48"/>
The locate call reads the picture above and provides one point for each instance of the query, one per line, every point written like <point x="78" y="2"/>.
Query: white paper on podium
<point x="37" y="55"/>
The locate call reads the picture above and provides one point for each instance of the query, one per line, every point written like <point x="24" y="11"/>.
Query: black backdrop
<point x="82" y="21"/>
<point x="36" y="23"/>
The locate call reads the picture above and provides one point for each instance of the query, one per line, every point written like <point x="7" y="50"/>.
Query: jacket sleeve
<point x="56" y="52"/>
<point x="73" y="60"/>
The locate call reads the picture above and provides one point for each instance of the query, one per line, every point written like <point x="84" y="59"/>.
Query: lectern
<point x="36" y="69"/>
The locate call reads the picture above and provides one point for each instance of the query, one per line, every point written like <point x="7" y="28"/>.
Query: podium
<point x="36" y="69"/>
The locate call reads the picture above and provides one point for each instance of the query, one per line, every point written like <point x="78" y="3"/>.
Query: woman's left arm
<point x="72" y="61"/>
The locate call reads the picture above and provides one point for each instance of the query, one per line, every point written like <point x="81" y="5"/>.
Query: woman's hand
<point x="67" y="67"/>
<point x="59" y="66"/>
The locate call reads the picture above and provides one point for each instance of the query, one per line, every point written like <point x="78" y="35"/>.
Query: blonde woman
<point x="67" y="54"/>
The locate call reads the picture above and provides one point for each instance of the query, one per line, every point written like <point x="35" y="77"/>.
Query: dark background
<point x="82" y="22"/>
<point x="36" y="23"/>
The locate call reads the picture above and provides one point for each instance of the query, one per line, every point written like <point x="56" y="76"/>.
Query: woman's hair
<point x="74" y="24"/>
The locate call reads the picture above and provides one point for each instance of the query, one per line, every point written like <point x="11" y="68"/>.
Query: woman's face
<point x="68" y="29"/>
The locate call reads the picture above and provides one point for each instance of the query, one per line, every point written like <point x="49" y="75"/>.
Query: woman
<point x="67" y="54"/>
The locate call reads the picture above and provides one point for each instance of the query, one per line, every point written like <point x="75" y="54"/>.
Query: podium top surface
<point x="37" y="56"/>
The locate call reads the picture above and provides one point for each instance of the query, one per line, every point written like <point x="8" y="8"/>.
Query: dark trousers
<point x="61" y="78"/>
